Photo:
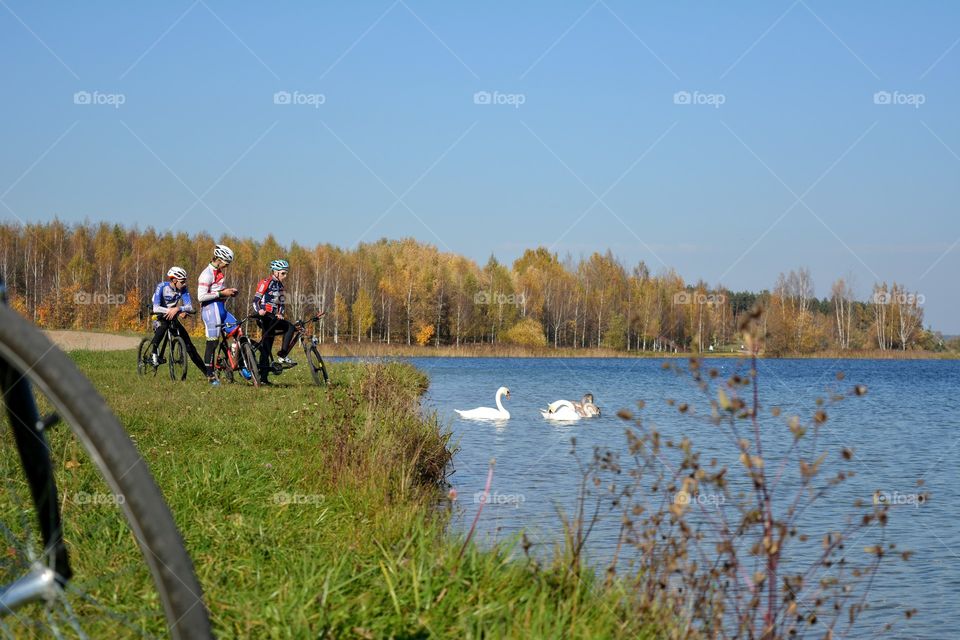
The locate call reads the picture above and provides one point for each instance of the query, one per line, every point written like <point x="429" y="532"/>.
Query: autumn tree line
<point x="101" y="276"/>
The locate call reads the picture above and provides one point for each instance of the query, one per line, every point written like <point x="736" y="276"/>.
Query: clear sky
<point x="730" y="141"/>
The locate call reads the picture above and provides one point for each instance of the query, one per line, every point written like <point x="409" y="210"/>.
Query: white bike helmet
<point x="177" y="272"/>
<point x="279" y="265"/>
<point x="224" y="253"/>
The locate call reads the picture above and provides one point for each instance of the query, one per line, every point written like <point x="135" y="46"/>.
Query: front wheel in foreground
<point x="317" y="368"/>
<point x="81" y="488"/>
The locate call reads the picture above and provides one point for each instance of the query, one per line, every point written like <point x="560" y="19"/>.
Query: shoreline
<point x="369" y="350"/>
<point x="70" y="340"/>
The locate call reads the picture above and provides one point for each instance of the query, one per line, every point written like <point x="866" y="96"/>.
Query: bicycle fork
<point x="42" y="581"/>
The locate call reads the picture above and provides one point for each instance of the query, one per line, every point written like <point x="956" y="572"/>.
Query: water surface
<point x="903" y="430"/>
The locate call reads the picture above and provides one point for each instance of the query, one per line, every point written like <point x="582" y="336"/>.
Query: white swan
<point x="565" y="410"/>
<point x="561" y="410"/>
<point x="488" y="413"/>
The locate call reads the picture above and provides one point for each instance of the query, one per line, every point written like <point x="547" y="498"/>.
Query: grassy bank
<point x="312" y="512"/>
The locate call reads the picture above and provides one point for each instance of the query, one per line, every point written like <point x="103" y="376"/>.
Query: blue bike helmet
<point x="279" y="265"/>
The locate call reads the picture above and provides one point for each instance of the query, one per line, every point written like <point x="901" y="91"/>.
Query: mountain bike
<point x="178" y="353"/>
<point x="90" y="547"/>
<point x="318" y="370"/>
<point x="236" y="355"/>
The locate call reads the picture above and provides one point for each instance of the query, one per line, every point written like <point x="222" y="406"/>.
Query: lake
<point x="903" y="430"/>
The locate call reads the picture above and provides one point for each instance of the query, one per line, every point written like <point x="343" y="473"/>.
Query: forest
<point x="100" y="276"/>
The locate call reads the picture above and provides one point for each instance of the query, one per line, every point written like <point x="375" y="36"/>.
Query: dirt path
<point x="73" y="340"/>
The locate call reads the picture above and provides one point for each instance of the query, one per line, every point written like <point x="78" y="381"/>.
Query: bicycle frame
<point x="300" y="332"/>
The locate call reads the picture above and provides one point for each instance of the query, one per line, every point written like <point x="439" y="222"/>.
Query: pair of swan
<point x="565" y="410"/>
<point x="560" y="410"/>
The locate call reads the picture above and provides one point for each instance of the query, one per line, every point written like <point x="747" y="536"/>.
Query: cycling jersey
<point x="210" y="285"/>
<point x="215" y="316"/>
<point x="269" y="296"/>
<point x="166" y="296"/>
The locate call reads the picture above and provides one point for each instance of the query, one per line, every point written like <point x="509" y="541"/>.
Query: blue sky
<point x="728" y="141"/>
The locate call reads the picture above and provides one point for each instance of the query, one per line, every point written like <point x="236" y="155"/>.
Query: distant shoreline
<point x="370" y="350"/>
<point x="107" y="341"/>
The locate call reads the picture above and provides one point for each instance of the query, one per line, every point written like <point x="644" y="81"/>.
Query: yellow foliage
<point x="424" y="334"/>
<point x="526" y="333"/>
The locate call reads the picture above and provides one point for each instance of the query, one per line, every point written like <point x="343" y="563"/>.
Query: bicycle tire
<point x="50" y="372"/>
<point x="317" y="366"/>
<point x="178" y="359"/>
<point x="142" y="353"/>
<point x="250" y="361"/>
<point x="223" y="368"/>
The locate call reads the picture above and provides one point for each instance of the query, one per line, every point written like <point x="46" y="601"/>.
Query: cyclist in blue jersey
<point x="211" y="293"/>
<point x="170" y="299"/>
<point x="269" y="303"/>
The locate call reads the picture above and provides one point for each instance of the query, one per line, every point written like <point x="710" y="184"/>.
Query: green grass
<point x="312" y="512"/>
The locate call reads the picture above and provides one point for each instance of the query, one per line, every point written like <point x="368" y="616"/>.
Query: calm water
<point x="905" y="429"/>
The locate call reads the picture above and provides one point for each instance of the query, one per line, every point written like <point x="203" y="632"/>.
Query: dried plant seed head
<point x="860" y="390"/>
<point x="775" y="412"/>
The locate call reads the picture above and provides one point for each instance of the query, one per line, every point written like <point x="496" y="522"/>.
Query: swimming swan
<point x="488" y="413"/>
<point x="565" y="410"/>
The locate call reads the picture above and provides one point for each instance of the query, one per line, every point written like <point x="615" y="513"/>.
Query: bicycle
<point x="238" y="355"/>
<point x="317" y="367"/>
<point x="68" y="578"/>
<point x="178" y="353"/>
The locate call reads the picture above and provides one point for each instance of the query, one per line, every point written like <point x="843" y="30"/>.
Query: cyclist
<point x="170" y="299"/>
<point x="215" y="316"/>
<point x="268" y="303"/>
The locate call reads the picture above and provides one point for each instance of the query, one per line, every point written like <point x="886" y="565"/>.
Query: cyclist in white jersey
<point x="210" y="295"/>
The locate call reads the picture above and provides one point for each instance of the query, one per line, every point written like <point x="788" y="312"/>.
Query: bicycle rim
<point x="223" y="368"/>
<point x="142" y="352"/>
<point x="131" y="574"/>
<point x="178" y="359"/>
<point x="317" y="367"/>
<point x="250" y="361"/>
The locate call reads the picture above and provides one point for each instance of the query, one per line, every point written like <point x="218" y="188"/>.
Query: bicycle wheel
<point x="223" y="369"/>
<point x="250" y="362"/>
<point x="178" y="359"/>
<point x="131" y="576"/>
<point x="143" y="354"/>
<point x="317" y="367"/>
